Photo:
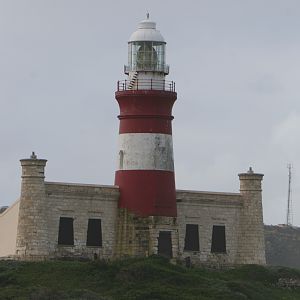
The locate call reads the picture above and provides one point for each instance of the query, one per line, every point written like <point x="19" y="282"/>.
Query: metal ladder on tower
<point x="132" y="81"/>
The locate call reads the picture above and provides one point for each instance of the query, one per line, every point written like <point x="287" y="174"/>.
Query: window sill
<point x="192" y="251"/>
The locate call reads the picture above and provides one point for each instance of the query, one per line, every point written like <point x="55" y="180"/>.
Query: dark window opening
<point x="94" y="233"/>
<point x="191" y="242"/>
<point x="121" y="159"/>
<point x="165" y="244"/>
<point x="66" y="231"/>
<point x="218" y="243"/>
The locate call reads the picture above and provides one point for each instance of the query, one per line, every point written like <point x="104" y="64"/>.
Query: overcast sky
<point x="235" y="63"/>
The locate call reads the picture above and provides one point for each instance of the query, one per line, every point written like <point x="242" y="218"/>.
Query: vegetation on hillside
<point x="283" y="246"/>
<point x="149" y="278"/>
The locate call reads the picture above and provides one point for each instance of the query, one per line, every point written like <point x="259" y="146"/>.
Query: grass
<point x="144" y="278"/>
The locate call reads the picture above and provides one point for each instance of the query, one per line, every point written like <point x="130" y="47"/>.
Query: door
<point x="165" y="244"/>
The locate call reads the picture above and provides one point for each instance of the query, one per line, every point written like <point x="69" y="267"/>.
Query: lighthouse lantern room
<point x="147" y="59"/>
<point x="145" y="173"/>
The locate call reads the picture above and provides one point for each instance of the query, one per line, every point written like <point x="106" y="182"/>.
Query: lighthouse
<point x="145" y="169"/>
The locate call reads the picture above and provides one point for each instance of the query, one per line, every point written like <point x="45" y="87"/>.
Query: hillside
<point x="151" y="278"/>
<point x="283" y="246"/>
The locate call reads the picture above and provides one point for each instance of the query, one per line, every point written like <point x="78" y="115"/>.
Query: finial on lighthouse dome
<point x="147" y="32"/>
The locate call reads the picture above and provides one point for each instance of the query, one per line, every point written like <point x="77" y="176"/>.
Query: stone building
<point x="143" y="213"/>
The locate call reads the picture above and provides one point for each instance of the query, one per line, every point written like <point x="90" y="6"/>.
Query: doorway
<point x="165" y="244"/>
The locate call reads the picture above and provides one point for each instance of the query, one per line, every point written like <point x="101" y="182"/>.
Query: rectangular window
<point x="94" y="233"/>
<point x="191" y="242"/>
<point x="66" y="231"/>
<point x="218" y="243"/>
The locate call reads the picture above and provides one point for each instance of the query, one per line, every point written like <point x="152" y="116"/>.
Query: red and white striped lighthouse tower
<point x="145" y="171"/>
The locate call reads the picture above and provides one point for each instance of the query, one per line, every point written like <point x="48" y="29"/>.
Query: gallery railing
<point x="146" y="84"/>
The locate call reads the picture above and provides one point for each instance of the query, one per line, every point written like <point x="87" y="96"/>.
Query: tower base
<point x="145" y="236"/>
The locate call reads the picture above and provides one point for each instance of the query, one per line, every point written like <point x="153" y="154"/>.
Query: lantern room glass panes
<point x="146" y="56"/>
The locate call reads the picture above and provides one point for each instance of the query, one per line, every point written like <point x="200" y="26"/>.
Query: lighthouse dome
<point x="146" y="32"/>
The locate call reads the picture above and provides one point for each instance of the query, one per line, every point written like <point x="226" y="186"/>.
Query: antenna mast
<point x="289" y="217"/>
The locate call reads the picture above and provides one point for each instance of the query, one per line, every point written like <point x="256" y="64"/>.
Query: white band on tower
<point x="146" y="151"/>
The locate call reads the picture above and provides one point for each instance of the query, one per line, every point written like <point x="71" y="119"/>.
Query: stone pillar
<point x="251" y="249"/>
<point x="32" y="237"/>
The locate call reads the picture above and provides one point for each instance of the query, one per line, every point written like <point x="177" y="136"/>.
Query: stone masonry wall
<point x="82" y="202"/>
<point x="138" y="236"/>
<point x="251" y="230"/>
<point x="32" y="232"/>
<point x="42" y="204"/>
<point x="124" y="234"/>
<point x="207" y="209"/>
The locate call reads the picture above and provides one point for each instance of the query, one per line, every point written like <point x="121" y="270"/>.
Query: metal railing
<point x="146" y="84"/>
